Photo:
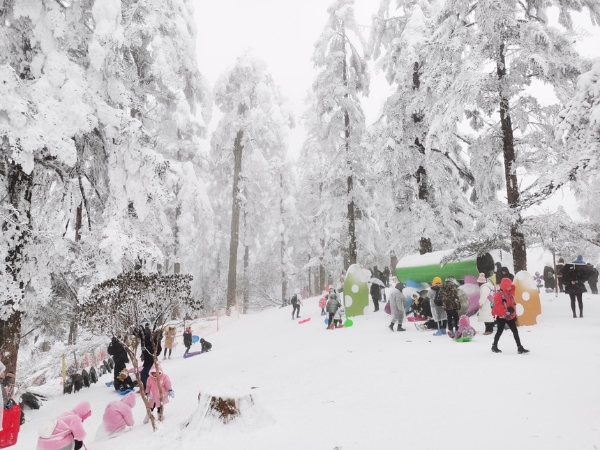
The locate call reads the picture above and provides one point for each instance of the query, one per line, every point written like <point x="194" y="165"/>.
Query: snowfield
<point x="365" y="387"/>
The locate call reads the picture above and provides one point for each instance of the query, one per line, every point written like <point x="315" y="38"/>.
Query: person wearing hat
<point x="574" y="277"/>
<point x="187" y="340"/>
<point x="397" y="307"/>
<point x="559" y="276"/>
<point x="118" y="415"/>
<point x="437" y="310"/>
<point x="486" y="300"/>
<point x="66" y="432"/>
<point x="123" y="382"/>
<point x="451" y="303"/>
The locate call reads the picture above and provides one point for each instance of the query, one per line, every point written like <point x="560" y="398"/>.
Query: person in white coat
<point x="486" y="292"/>
<point x="397" y="307"/>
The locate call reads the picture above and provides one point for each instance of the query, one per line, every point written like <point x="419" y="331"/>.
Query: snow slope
<point x="365" y="387"/>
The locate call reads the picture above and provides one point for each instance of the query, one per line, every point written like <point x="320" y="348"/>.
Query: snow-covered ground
<point x="365" y="387"/>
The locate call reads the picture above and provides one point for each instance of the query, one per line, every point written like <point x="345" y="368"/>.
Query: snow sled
<point x="190" y="354"/>
<point x="464" y="339"/>
<point x="417" y="319"/>
<point x="125" y="391"/>
<point x="11" y="424"/>
<point x="304" y="320"/>
<point x="195" y="339"/>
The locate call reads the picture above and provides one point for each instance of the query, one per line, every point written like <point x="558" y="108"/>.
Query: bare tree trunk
<point x="134" y="361"/>
<point x="19" y="196"/>
<point x="425" y="245"/>
<point x="310" y="291"/>
<point x="282" y="240"/>
<point x="519" y="249"/>
<point x="235" y="220"/>
<point x="352" y="247"/>
<point x="246" y="287"/>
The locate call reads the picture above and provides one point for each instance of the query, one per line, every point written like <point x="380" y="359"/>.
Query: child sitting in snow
<point x="464" y="328"/>
<point x="153" y="392"/>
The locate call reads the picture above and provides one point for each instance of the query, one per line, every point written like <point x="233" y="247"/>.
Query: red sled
<point x="11" y="424"/>
<point x="304" y="320"/>
<point x="417" y="319"/>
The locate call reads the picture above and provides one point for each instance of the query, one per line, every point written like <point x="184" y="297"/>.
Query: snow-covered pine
<point x="252" y="131"/>
<point x="426" y="186"/>
<point x="336" y="124"/>
<point x="484" y="58"/>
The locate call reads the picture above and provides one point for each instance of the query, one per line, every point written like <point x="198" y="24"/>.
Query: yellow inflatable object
<point x="527" y="298"/>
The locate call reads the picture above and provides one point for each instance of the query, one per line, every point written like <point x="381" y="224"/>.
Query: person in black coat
<point x="505" y="273"/>
<point x="498" y="273"/>
<point x="187" y="340"/>
<point x="593" y="279"/>
<point x="150" y="346"/>
<point x="375" y="292"/>
<point x="549" y="277"/>
<point x="119" y="356"/>
<point x="206" y="346"/>
<point x="574" y="277"/>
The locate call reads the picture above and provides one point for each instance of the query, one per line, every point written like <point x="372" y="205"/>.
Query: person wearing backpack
<point x="451" y="303"/>
<point x="332" y="306"/>
<point x="65" y="432"/>
<point x="437" y="311"/>
<point x="486" y="300"/>
<point x="505" y="308"/>
<point x="296" y="301"/>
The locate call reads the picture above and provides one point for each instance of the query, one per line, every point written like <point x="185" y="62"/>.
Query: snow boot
<point x="495" y="349"/>
<point x="400" y="327"/>
<point x="146" y="419"/>
<point x="391" y="327"/>
<point x="451" y="334"/>
<point x="523" y="350"/>
<point x="440" y="332"/>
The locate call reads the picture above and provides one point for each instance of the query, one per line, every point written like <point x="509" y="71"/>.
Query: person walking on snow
<point x="68" y="432"/>
<point x="559" y="277"/>
<point x="574" y="277"/>
<point x="332" y="306"/>
<point x="119" y="356"/>
<point x="397" y="307"/>
<point x="437" y="307"/>
<point x="337" y="318"/>
<point x="375" y="292"/>
<point x="505" y="309"/>
<point x="323" y="303"/>
<point x="486" y="298"/>
<point x="296" y="303"/>
<point x="187" y="340"/>
<point x="118" y="415"/>
<point x="153" y="392"/>
<point x="451" y="303"/>
<point x="170" y="333"/>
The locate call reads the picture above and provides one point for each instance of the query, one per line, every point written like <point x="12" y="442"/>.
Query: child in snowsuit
<point x="505" y="309"/>
<point x="206" y="346"/>
<point x="68" y="432"/>
<point x="464" y="328"/>
<point x="451" y="303"/>
<point x="323" y="303"/>
<point x="118" y="415"/>
<point x="187" y="339"/>
<point x="153" y="392"/>
<point x="332" y="306"/>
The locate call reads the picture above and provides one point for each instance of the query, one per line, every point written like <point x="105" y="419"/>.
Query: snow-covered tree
<point x="426" y="186"/>
<point x="336" y="127"/>
<point x="484" y="57"/>
<point x="253" y="126"/>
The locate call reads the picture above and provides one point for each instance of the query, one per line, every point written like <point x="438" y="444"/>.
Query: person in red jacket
<point x="505" y="309"/>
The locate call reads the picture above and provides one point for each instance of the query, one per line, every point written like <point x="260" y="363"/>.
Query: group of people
<point x="443" y="301"/>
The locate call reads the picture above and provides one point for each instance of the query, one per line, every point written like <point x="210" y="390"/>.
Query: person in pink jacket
<point x="68" y="432"/>
<point x="154" y="394"/>
<point x="118" y="415"/>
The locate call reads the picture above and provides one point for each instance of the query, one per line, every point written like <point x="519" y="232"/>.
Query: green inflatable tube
<point x="423" y="268"/>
